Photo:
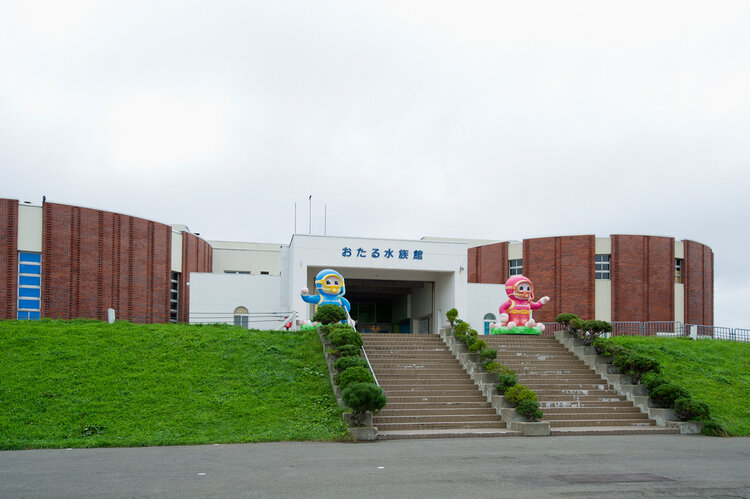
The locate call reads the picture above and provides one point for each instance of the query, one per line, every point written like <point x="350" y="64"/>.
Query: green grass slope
<point x="714" y="372"/>
<point x="91" y="384"/>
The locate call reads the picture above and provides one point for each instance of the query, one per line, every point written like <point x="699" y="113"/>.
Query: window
<point x="29" y="286"/>
<point x="174" y="297"/>
<point x="241" y="318"/>
<point x="237" y="272"/>
<point x="515" y="267"/>
<point x="601" y="266"/>
<point x="265" y="272"/>
<point x="678" y="270"/>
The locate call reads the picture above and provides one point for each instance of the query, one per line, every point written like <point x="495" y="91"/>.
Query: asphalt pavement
<point x="591" y="466"/>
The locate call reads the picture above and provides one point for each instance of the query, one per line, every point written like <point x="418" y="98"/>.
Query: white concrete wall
<point x="603" y="299"/>
<point x="483" y="299"/>
<point x="246" y="257"/>
<point x="214" y="297"/>
<point x="679" y="302"/>
<point x="29" y="228"/>
<point x="515" y="251"/>
<point x="421" y="306"/>
<point x="603" y="246"/>
<point x="176" y="251"/>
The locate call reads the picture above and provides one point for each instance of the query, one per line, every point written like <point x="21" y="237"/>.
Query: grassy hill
<point x="714" y="372"/>
<point x="91" y="384"/>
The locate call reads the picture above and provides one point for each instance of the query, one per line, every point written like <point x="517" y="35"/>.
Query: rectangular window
<point x="174" y="295"/>
<point x="29" y="286"/>
<point x="678" y="270"/>
<point x="601" y="266"/>
<point x="515" y="267"/>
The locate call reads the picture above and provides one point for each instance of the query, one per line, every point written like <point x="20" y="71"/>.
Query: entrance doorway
<point x="389" y="306"/>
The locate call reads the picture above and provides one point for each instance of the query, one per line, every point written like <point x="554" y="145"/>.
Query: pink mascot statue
<point x="516" y="312"/>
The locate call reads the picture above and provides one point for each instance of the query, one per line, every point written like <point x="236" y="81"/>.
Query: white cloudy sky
<point x="482" y="119"/>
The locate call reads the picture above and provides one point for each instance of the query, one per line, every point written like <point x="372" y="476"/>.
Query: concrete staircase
<point x="429" y="393"/>
<point x="574" y="398"/>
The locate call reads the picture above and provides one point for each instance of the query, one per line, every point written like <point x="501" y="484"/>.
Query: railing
<point x="369" y="365"/>
<point x="255" y="320"/>
<point x="667" y="329"/>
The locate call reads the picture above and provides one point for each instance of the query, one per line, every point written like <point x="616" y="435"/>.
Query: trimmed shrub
<point x="651" y="381"/>
<point x="689" y="410"/>
<point x="348" y="336"/>
<point x="487" y="354"/>
<point x="565" y="318"/>
<point x="530" y="409"/>
<point x="667" y="393"/>
<point x="591" y="330"/>
<point x="355" y="374"/>
<point x="346" y="362"/>
<point x="348" y="351"/>
<point x="468" y="339"/>
<point x="329" y="313"/>
<point x="505" y="381"/>
<point x="635" y="364"/>
<point x="451" y="315"/>
<point x="362" y="397"/>
<point x="478" y="345"/>
<point x="517" y="393"/>
<point x="461" y="329"/>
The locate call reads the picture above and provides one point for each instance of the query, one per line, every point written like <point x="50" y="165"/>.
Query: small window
<point x="264" y="272"/>
<point x="515" y="267"/>
<point x="601" y="266"/>
<point x="241" y="317"/>
<point x="678" y="270"/>
<point x="488" y="319"/>
<point x="174" y="297"/>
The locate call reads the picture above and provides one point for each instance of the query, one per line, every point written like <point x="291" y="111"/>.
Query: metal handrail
<point x="369" y="365"/>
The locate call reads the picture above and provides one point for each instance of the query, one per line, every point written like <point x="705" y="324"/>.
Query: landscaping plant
<point x="329" y="313"/>
<point x="363" y="397"/>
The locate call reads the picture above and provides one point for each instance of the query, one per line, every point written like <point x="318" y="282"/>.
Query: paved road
<point x="617" y="466"/>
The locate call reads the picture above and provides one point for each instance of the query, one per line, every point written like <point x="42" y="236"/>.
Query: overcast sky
<point x="481" y="119"/>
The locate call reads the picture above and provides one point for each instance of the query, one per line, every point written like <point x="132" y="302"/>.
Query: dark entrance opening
<point x="381" y="306"/>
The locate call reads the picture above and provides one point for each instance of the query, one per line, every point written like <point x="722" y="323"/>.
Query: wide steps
<point x="439" y="425"/>
<point x="447" y="433"/>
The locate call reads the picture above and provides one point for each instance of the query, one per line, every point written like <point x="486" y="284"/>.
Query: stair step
<point x="607" y="422"/>
<point x="447" y="433"/>
<point x="438" y="426"/>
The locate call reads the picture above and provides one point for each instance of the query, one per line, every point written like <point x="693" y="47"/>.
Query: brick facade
<point x="563" y="269"/>
<point x="197" y="256"/>
<point x="93" y="260"/>
<point x="488" y="264"/>
<point x="642" y="274"/>
<point x="698" y="278"/>
<point x="8" y="257"/>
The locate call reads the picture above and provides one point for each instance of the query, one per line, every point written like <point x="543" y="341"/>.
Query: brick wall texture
<point x="8" y="257"/>
<point x="488" y="264"/>
<point x="698" y="277"/>
<point x="93" y="260"/>
<point x="563" y="269"/>
<point x="642" y="273"/>
<point x="197" y="256"/>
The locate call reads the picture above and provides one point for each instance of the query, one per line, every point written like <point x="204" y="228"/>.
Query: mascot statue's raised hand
<point x="516" y="312"/>
<point x="331" y="290"/>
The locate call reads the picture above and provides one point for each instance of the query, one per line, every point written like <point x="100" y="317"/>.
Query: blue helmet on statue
<point x="330" y="283"/>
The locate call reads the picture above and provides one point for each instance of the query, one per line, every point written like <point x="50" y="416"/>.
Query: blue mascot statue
<point x="330" y="285"/>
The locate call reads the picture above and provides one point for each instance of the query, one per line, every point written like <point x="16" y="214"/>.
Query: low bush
<point x="461" y="329"/>
<point x="591" y="330"/>
<point x="347" y="336"/>
<point x="363" y="397"/>
<point x="635" y="364"/>
<point x="667" y="393"/>
<point x="689" y="410"/>
<point x="478" y="345"/>
<point x="451" y="315"/>
<point x="517" y="393"/>
<point x="530" y="409"/>
<point x="651" y="381"/>
<point x="468" y="340"/>
<point x="327" y="314"/>
<point x="355" y="374"/>
<point x="347" y="351"/>
<point x="505" y="381"/>
<point x="346" y="362"/>
<point x="487" y="355"/>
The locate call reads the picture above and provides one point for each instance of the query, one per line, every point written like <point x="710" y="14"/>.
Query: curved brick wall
<point x="699" y="283"/>
<point x="93" y="260"/>
<point x="197" y="256"/>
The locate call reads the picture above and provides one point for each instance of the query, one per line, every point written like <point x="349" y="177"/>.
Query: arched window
<point x="241" y="317"/>
<point x="488" y="318"/>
